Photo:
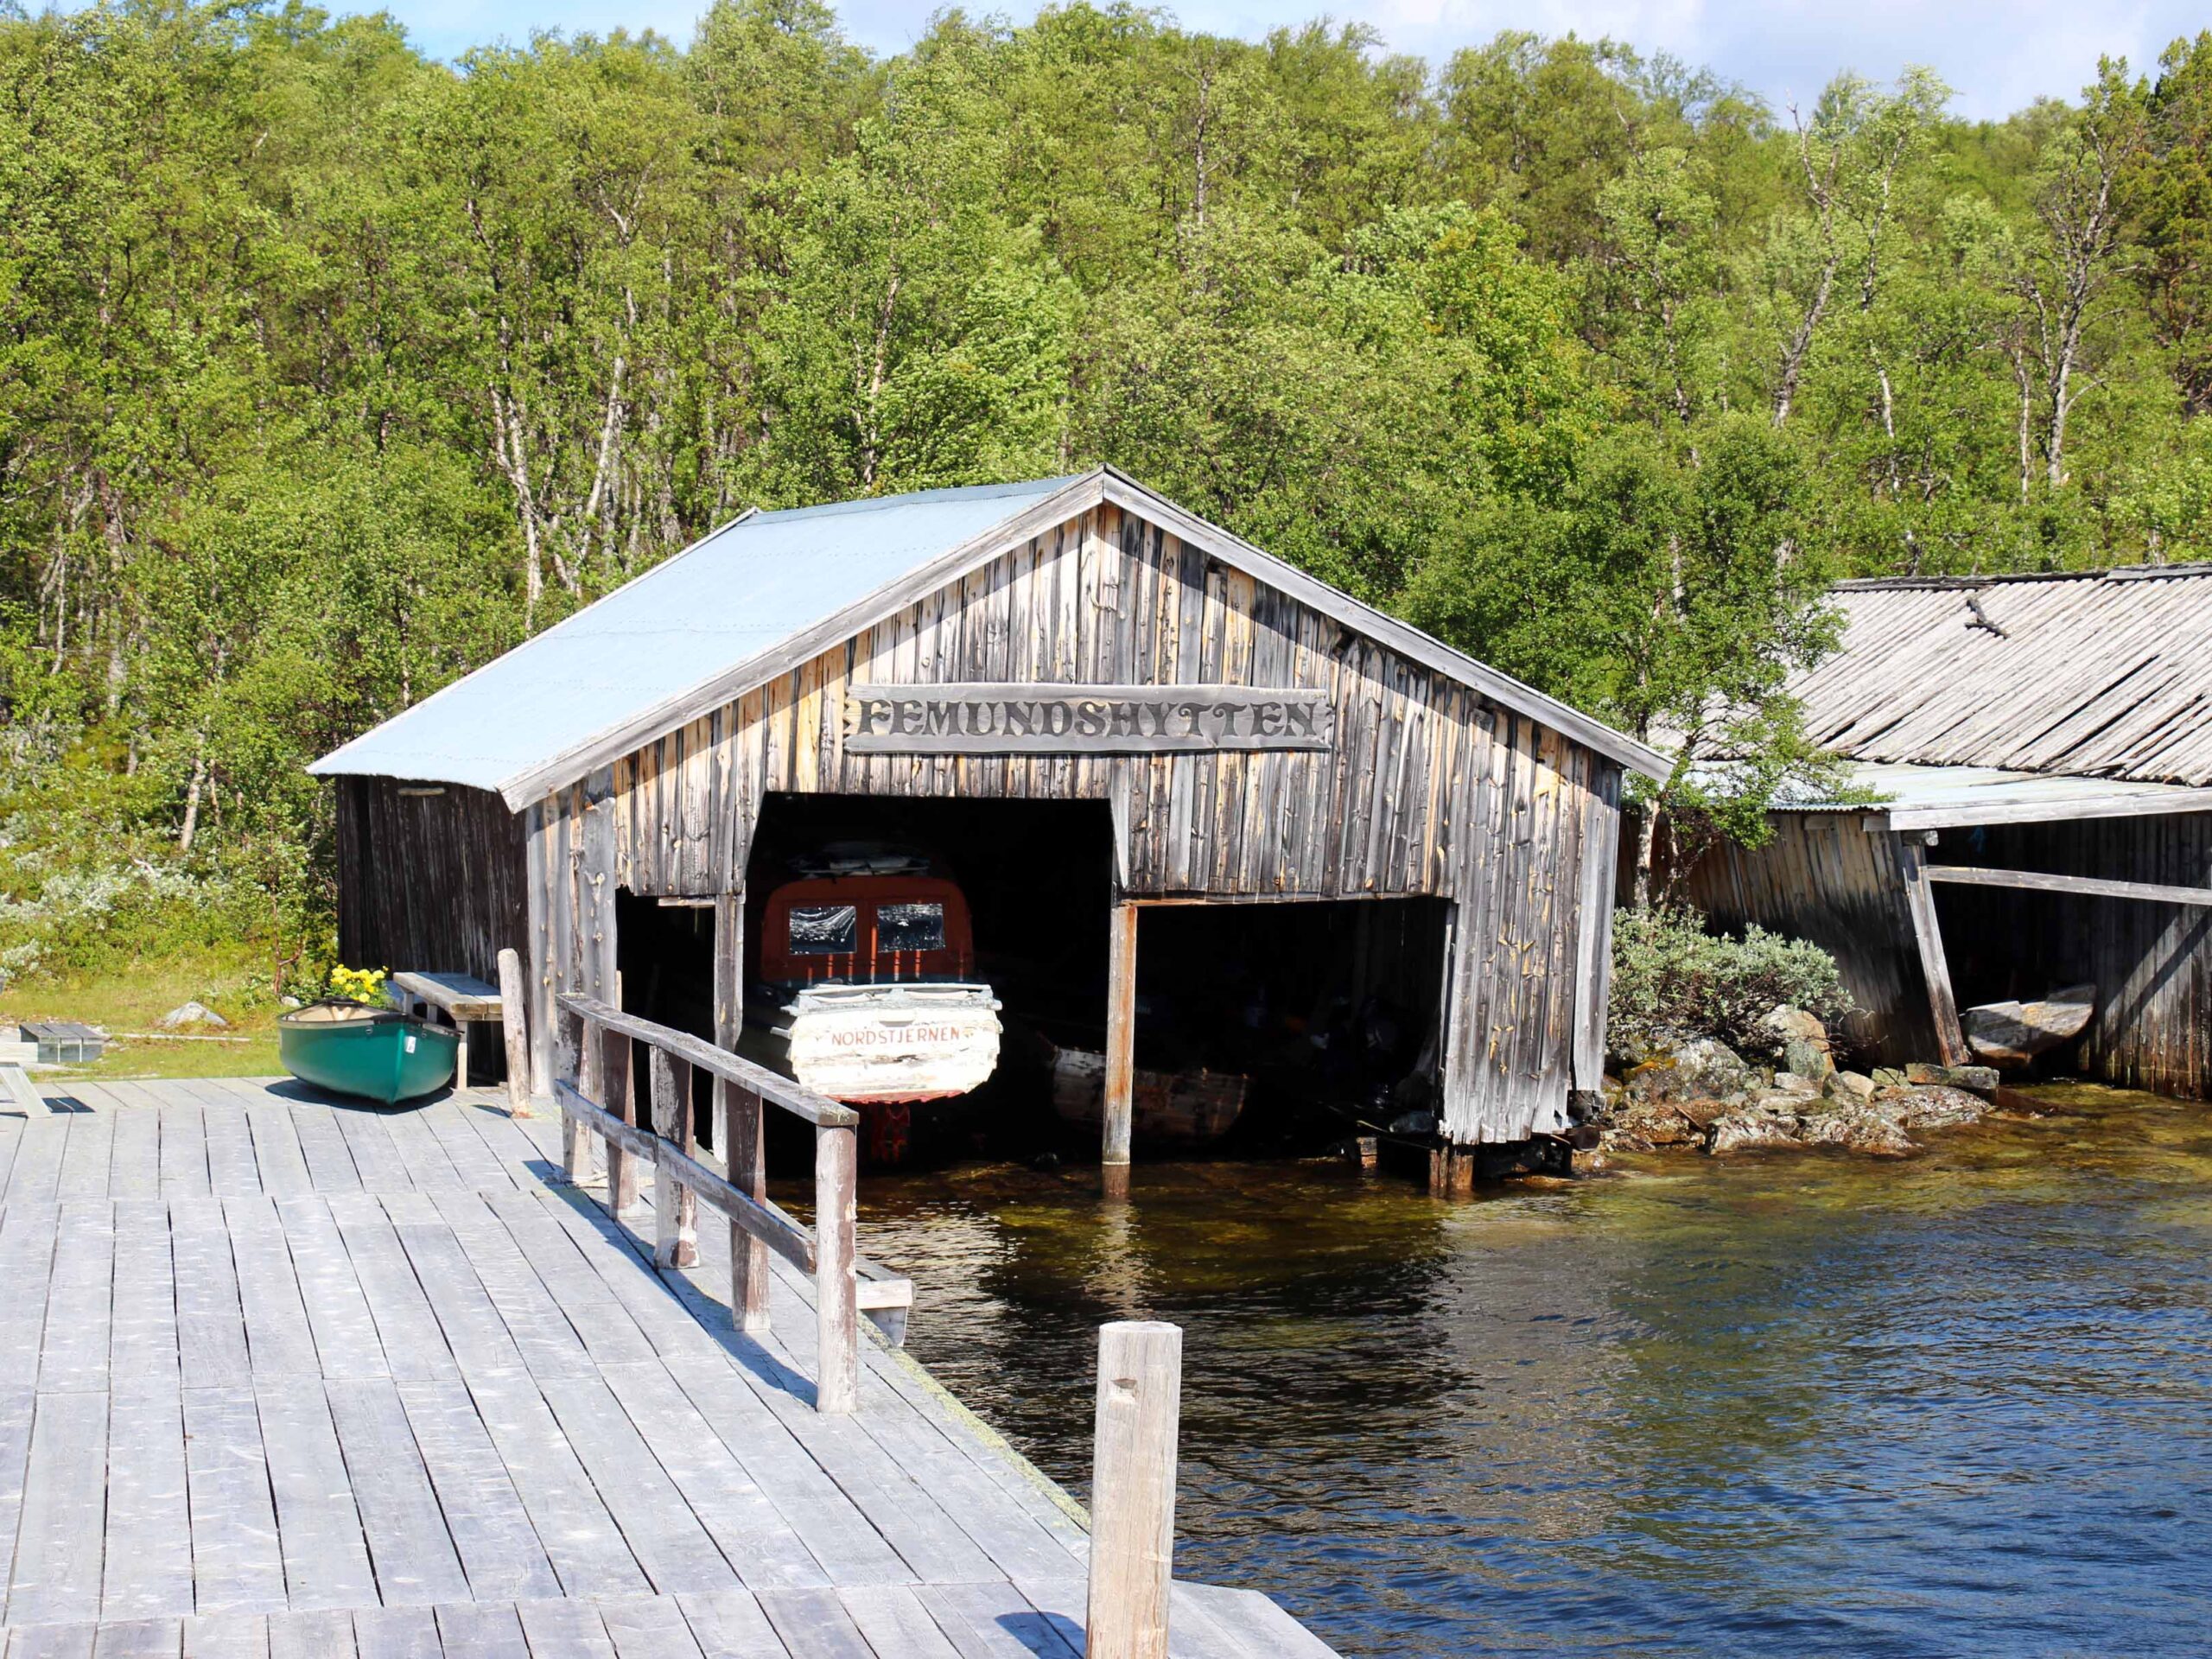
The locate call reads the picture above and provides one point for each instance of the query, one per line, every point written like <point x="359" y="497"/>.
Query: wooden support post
<point x="614" y="1079"/>
<point x="739" y="1115"/>
<point x="1451" y="1172"/>
<point x="515" y="1022"/>
<point x="578" y="1059"/>
<point x="739" y="1127"/>
<point x="1121" y="1049"/>
<point x="1133" y="1489"/>
<point x="675" y="1205"/>
<point x="837" y="1292"/>
<point x="1912" y="868"/>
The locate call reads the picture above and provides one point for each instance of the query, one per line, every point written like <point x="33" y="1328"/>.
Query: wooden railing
<point x="593" y="1087"/>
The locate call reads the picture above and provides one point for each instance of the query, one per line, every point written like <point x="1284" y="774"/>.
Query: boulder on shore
<point x="1806" y="1049"/>
<point x="1703" y="1068"/>
<point x="191" y="1015"/>
<point x="1975" y="1079"/>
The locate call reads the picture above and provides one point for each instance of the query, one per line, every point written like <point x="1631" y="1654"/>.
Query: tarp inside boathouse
<point x="1134" y="730"/>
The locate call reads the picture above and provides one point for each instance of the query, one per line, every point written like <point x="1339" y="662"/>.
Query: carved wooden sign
<point x="1032" y="719"/>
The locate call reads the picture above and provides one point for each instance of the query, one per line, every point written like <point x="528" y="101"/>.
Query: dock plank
<point x="148" y="1519"/>
<point x="346" y="1343"/>
<point x="58" y="1540"/>
<point x="86" y="1158"/>
<point x="236" y="1565"/>
<point x="80" y="1299"/>
<point x="184" y="1146"/>
<point x="414" y="1346"/>
<point x="492" y="1529"/>
<point x="676" y="1552"/>
<point x="649" y="1627"/>
<point x="210" y="1324"/>
<point x="226" y="1636"/>
<point x="730" y="1625"/>
<point x="318" y="1528"/>
<point x="407" y="1539"/>
<point x="36" y="1176"/>
<point x="29" y="1232"/>
<point x="482" y="1631"/>
<point x="751" y="1532"/>
<point x="396" y="1633"/>
<point x="564" y="1630"/>
<point x="16" y="1408"/>
<point x="279" y="1342"/>
<point x="322" y="1143"/>
<point x="318" y="1633"/>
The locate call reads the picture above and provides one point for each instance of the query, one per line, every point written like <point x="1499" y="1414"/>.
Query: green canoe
<point x="377" y="1053"/>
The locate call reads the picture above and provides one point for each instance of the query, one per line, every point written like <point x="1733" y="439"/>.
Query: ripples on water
<point x="1778" y="1406"/>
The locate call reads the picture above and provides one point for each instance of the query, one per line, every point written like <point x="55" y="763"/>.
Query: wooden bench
<point x="462" y="998"/>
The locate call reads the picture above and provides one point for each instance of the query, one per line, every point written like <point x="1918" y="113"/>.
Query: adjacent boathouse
<point x="2038" y="749"/>
<point x="1239" y="733"/>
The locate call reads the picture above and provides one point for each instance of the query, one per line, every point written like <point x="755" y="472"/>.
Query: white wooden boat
<point x="911" y="1042"/>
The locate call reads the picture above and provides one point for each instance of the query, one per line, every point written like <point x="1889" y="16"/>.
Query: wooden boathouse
<point x="2038" y="752"/>
<point x="1243" y="733"/>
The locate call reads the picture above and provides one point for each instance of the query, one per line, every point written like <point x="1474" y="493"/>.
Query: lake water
<point x="1775" y="1406"/>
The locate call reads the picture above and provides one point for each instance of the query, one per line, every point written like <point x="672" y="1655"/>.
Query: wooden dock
<point x="281" y="1377"/>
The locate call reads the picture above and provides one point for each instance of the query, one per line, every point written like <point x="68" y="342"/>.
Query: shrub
<point x="1673" y="980"/>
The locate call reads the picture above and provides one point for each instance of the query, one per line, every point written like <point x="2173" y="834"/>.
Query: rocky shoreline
<point x="1700" y="1094"/>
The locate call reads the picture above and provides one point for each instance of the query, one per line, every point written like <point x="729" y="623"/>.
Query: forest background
<point x="328" y="371"/>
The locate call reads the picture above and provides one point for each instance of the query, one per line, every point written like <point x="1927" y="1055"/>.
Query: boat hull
<point x="891" y="1045"/>
<point x="1167" y="1108"/>
<point x="379" y="1056"/>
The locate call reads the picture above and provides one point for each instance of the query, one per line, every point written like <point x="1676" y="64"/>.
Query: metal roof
<point x="1928" y="797"/>
<point x="2100" y="674"/>
<point x="770" y="589"/>
<point x="730" y="598"/>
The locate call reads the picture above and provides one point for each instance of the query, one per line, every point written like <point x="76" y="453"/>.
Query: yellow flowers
<point x="363" y="985"/>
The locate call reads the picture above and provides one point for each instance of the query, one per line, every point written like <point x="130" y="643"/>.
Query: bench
<point x="462" y="998"/>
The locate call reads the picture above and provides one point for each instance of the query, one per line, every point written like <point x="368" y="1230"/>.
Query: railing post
<point x="673" y="1204"/>
<point x="512" y="1021"/>
<point x="576" y="1061"/>
<point x="614" y="1078"/>
<point x="738" y="1130"/>
<point x="1133" y="1489"/>
<point x="836" y="1294"/>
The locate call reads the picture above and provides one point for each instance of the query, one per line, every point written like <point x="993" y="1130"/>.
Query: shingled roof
<point x="761" y="594"/>
<point x="2100" y="674"/>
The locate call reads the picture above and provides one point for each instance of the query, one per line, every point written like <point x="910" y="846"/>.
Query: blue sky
<point x="1998" y="56"/>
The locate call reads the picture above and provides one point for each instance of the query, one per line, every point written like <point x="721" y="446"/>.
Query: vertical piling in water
<point x="1133" y="1489"/>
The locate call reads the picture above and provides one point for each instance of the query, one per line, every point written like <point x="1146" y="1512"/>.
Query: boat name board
<point x="1029" y="719"/>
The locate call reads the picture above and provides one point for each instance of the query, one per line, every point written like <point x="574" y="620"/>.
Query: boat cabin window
<point x="909" y="927"/>
<point x="825" y="929"/>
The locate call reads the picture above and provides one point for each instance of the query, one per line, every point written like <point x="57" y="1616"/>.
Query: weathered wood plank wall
<point x="1826" y="878"/>
<point x="428" y="880"/>
<point x="1429" y="790"/>
<point x="2152" y="963"/>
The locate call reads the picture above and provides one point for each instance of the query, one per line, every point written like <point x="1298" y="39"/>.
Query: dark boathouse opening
<point x="1261" y="1025"/>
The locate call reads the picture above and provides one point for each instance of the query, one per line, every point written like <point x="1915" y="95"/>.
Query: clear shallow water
<point x="1781" y="1405"/>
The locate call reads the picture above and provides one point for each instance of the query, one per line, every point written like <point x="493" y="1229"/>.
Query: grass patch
<point x="127" y="1002"/>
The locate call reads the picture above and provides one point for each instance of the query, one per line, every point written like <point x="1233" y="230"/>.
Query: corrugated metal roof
<point x="726" y="600"/>
<point x="762" y="593"/>
<point x="1926" y="797"/>
<point x="2101" y="674"/>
